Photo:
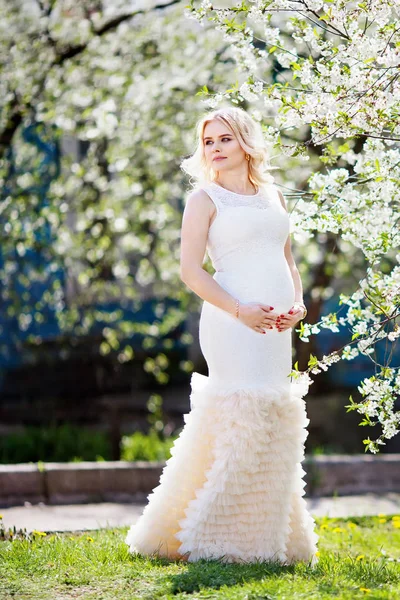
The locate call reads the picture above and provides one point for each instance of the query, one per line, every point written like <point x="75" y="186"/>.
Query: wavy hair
<point x="250" y="137"/>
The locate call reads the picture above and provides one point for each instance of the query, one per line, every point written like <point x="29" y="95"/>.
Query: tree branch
<point x="17" y="111"/>
<point x="107" y="27"/>
<point x="13" y="123"/>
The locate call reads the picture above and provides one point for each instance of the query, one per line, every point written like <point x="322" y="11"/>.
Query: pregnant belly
<point x="236" y="353"/>
<point x="272" y="285"/>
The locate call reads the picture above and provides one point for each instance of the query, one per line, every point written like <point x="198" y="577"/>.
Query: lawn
<point x="359" y="558"/>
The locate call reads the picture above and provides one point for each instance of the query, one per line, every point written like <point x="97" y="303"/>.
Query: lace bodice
<point x="248" y="232"/>
<point x="227" y="198"/>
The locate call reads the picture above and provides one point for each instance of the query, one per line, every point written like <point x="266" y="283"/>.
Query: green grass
<point x="359" y="558"/>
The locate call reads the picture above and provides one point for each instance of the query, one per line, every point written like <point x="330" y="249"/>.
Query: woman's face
<point x="220" y="141"/>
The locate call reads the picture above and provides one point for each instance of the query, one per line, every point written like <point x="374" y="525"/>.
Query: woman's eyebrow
<point x="222" y="135"/>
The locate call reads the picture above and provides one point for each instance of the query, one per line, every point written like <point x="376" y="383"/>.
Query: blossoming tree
<point x="322" y="79"/>
<point x="336" y="90"/>
<point x="114" y="78"/>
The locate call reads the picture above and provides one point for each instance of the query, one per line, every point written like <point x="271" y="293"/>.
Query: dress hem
<point x="233" y="487"/>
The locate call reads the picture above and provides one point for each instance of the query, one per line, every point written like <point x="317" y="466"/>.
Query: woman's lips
<point x="219" y="158"/>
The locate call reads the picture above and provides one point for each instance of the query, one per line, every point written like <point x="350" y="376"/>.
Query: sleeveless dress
<point x="233" y="488"/>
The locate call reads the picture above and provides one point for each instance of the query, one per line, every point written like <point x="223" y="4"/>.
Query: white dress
<point x="233" y="488"/>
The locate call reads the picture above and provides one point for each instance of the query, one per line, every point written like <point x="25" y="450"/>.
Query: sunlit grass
<point x="358" y="558"/>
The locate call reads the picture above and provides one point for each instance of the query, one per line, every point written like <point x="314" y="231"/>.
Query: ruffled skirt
<point x="233" y="488"/>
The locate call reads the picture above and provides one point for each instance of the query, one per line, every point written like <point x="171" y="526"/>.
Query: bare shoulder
<point x="199" y="203"/>
<point x="199" y="196"/>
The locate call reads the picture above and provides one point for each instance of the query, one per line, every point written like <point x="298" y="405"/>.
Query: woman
<point x="232" y="489"/>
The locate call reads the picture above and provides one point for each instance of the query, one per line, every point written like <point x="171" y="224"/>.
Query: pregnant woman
<point x="233" y="488"/>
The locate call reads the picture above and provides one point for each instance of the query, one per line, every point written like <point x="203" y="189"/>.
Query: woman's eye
<point x="226" y="138"/>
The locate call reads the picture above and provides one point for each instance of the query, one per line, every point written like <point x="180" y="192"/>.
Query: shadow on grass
<point x="213" y="574"/>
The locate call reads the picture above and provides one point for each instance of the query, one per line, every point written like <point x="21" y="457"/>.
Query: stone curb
<point x="124" y="481"/>
<point x="347" y="474"/>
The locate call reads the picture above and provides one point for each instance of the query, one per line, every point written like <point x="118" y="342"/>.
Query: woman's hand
<point x="289" y="319"/>
<point x="257" y="316"/>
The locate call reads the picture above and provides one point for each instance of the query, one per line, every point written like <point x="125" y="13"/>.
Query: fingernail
<point x="271" y="307"/>
<point x="290" y="312"/>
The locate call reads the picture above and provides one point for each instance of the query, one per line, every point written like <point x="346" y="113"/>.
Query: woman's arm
<point x="194" y="232"/>
<point x="298" y="286"/>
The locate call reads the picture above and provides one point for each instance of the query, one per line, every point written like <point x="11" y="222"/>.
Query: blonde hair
<point x="249" y="135"/>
